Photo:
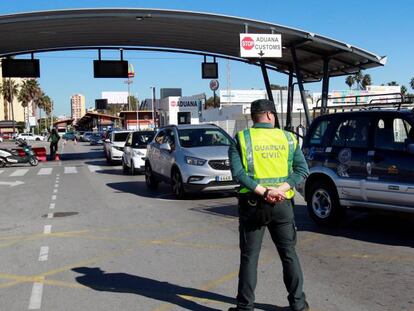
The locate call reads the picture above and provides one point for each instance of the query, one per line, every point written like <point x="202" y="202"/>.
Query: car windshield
<point x="121" y="136"/>
<point x="141" y="139"/>
<point x="199" y="137"/>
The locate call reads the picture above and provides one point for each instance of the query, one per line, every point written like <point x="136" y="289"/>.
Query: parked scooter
<point x="8" y="157"/>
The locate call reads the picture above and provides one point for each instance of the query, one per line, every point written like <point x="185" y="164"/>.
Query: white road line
<point x="44" y="253"/>
<point x="52" y="205"/>
<point x="70" y="170"/>
<point x="1" y="172"/>
<point x="54" y="197"/>
<point x="19" y="172"/>
<point x="50" y="215"/>
<point x="57" y="175"/>
<point x="55" y="190"/>
<point x="47" y="229"/>
<point x="36" y="296"/>
<point x="45" y="171"/>
<point x="56" y="185"/>
<point x="94" y="168"/>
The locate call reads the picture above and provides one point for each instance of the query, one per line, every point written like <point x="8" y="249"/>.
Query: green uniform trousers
<point x="283" y="232"/>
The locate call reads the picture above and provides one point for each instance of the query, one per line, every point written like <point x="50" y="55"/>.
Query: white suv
<point x="193" y="158"/>
<point x="114" y="146"/>
<point x="135" y="150"/>
<point x="29" y="136"/>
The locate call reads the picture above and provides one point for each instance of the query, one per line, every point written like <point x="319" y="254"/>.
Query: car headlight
<point x="195" y="161"/>
<point x="137" y="153"/>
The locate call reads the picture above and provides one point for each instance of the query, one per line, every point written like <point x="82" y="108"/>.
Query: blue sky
<point x="383" y="27"/>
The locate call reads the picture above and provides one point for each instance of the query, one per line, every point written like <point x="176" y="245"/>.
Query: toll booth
<point x="93" y="121"/>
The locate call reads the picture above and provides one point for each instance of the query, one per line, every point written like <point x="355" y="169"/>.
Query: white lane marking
<point x="50" y="215"/>
<point x="47" y="229"/>
<point x="70" y="170"/>
<point x="19" y="172"/>
<point x="55" y="190"/>
<point x="57" y="175"/>
<point x="45" y="171"/>
<point x="56" y="185"/>
<point x="36" y="296"/>
<point x="44" y="253"/>
<point x="94" y="168"/>
<point x="53" y="197"/>
<point x="52" y="205"/>
<point x="1" y="172"/>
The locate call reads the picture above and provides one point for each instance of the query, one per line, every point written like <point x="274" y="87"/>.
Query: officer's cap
<point x="262" y="105"/>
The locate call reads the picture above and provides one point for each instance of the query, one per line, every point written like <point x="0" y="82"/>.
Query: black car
<point x="359" y="159"/>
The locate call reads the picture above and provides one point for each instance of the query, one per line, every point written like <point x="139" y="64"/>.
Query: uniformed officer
<point x="268" y="163"/>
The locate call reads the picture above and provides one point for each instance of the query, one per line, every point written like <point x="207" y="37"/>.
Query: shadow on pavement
<point x="184" y="297"/>
<point x="164" y="191"/>
<point x="375" y="227"/>
<point x="387" y="228"/>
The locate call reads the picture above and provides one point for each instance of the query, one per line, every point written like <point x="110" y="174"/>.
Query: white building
<point x="181" y="110"/>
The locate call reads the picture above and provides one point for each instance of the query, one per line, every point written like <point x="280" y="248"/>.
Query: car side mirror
<point x="166" y="147"/>
<point x="410" y="148"/>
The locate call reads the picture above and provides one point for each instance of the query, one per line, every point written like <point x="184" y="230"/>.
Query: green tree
<point x="133" y="102"/>
<point x="350" y="81"/>
<point x="412" y="83"/>
<point x="358" y="79"/>
<point x="211" y="104"/>
<point x="403" y="89"/>
<point x="392" y="83"/>
<point x="366" y="80"/>
<point x="9" y="90"/>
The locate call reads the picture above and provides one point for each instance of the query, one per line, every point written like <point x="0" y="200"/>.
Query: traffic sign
<point x="214" y="85"/>
<point x="260" y="45"/>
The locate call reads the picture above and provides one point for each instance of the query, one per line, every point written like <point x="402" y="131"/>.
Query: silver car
<point x="191" y="157"/>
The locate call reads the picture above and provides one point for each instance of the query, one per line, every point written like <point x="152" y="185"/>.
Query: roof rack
<point x="357" y="102"/>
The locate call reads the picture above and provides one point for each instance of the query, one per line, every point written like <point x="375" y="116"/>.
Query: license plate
<point x="224" y="178"/>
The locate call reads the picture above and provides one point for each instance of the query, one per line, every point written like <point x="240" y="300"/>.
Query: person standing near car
<point x="268" y="164"/>
<point x="54" y="140"/>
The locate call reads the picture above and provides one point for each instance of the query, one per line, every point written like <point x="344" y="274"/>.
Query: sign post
<point x="260" y="45"/>
<point x="214" y="85"/>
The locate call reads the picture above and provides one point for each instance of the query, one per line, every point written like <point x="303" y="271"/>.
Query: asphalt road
<point x="77" y="234"/>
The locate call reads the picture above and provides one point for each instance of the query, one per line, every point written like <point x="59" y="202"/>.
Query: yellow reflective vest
<point x="267" y="156"/>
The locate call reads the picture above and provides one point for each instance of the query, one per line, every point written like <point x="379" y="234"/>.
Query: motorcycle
<point x="8" y="157"/>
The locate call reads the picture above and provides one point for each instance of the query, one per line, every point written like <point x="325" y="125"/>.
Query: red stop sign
<point x="247" y="43"/>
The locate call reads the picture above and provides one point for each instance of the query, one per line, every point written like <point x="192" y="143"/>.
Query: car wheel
<point x="37" y="139"/>
<point x="323" y="203"/>
<point x="2" y="162"/>
<point x="33" y="161"/>
<point x="124" y="167"/>
<point x="150" y="180"/>
<point x="132" y="168"/>
<point x="177" y="184"/>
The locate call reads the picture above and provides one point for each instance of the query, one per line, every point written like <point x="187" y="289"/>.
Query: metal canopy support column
<point x="325" y="86"/>
<point x="268" y="89"/>
<point x="300" y="84"/>
<point x="289" y="102"/>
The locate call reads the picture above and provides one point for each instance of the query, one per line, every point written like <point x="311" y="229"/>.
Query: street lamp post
<point x="153" y="104"/>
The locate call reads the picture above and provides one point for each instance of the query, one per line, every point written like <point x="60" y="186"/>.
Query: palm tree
<point x="24" y="99"/>
<point x="9" y="90"/>
<point x="366" y="80"/>
<point x="393" y="83"/>
<point x="358" y="78"/>
<point x="350" y="81"/>
<point x="47" y="106"/>
<point x="412" y="83"/>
